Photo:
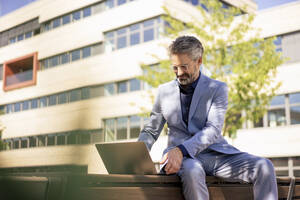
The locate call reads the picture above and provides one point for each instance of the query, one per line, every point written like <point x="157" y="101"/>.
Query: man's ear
<point x="199" y="61"/>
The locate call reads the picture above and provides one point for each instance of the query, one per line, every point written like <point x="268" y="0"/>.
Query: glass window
<point x="294" y="98"/>
<point x="85" y="138"/>
<point x="62" y="98"/>
<point x="56" y="23"/>
<point x="109" y="89"/>
<point x="66" y="19"/>
<point x="121" y="31"/>
<point x="24" y="143"/>
<point x="45" y="64"/>
<point x="12" y="40"/>
<point x="85" y="93"/>
<point x="276" y="117"/>
<point x="87" y="12"/>
<point x="122" y="87"/>
<point x="72" y="138"/>
<point x="32" y="141"/>
<point x="65" y="58"/>
<point x="28" y="34"/>
<point x="2" y="110"/>
<point x="277" y="100"/>
<point x="76" y="16"/>
<point x="34" y="103"/>
<point x="98" y="8"/>
<point x="120" y="2"/>
<point x="75" y="55"/>
<point x="135" y="126"/>
<point x="122" y="128"/>
<point x="121" y="42"/>
<point x="9" y="108"/>
<point x="86" y="52"/>
<point x="20" y="37"/>
<point x="16" y="144"/>
<point x="17" y="107"/>
<point x="75" y="95"/>
<point x="109" y="130"/>
<point x="61" y="139"/>
<point x="52" y="100"/>
<point x="47" y="26"/>
<point x="135" y="84"/>
<point x="25" y="105"/>
<point x="134" y="38"/>
<point x="50" y="140"/>
<point x="41" y="141"/>
<point x="97" y="49"/>
<point x="54" y="61"/>
<point x="96" y="91"/>
<point x="43" y="102"/>
<point x="109" y="3"/>
<point x="148" y="23"/>
<point x="148" y="35"/>
<point x="134" y="27"/>
<point x="295" y="114"/>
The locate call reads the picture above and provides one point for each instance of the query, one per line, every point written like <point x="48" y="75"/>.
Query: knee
<point x="192" y="170"/>
<point x="265" y="167"/>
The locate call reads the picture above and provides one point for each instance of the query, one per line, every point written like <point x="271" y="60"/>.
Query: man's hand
<point x="174" y="157"/>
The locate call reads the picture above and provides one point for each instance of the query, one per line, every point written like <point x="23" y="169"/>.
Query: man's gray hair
<point x="187" y="45"/>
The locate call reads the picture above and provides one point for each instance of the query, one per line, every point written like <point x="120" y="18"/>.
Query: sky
<point x="7" y="6"/>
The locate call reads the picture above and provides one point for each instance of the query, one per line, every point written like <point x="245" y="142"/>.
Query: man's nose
<point x="179" y="71"/>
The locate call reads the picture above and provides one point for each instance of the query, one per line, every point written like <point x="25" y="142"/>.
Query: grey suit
<point x="209" y="152"/>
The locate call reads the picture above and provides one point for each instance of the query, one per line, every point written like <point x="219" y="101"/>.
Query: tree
<point x="233" y="53"/>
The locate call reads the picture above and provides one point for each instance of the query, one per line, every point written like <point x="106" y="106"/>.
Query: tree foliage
<point x="233" y="53"/>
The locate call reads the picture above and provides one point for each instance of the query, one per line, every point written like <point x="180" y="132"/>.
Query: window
<point x="54" y="61"/>
<point x="121" y="38"/>
<point x="120" y="2"/>
<point x="294" y="100"/>
<point x="135" y="85"/>
<point x="86" y="52"/>
<point x="24" y="143"/>
<point x="85" y="93"/>
<point x="28" y="34"/>
<point x="109" y="130"/>
<point x="276" y="117"/>
<point x="66" y="19"/>
<point x="135" y="126"/>
<point x="109" y="3"/>
<point x="17" y="107"/>
<point x="20" y="37"/>
<point x="32" y="141"/>
<point x="16" y="144"/>
<point x="110" y="41"/>
<point x="97" y="49"/>
<point x="134" y="34"/>
<point x="43" y="102"/>
<point x="61" y="139"/>
<point x="96" y="91"/>
<point x="9" y="108"/>
<point x="87" y="12"/>
<point x="122" y="128"/>
<point x="65" y="58"/>
<point x="47" y="26"/>
<point x="52" y="100"/>
<point x="75" y="95"/>
<point x="41" y="141"/>
<point x="84" y="138"/>
<point x="56" y="23"/>
<point x="12" y="40"/>
<point x="33" y="103"/>
<point x="62" y="98"/>
<point x="109" y="89"/>
<point x="122" y="87"/>
<point x="72" y="138"/>
<point x="277" y="100"/>
<point x="25" y="105"/>
<point x="75" y="55"/>
<point x="50" y="140"/>
<point x="45" y="64"/>
<point x="76" y="16"/>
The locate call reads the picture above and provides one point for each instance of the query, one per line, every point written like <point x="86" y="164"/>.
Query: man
<point x="194" y="108"/>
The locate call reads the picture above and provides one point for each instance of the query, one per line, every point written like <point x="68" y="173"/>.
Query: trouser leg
<point x="249" y="168"/>
<point x="192" y="177"/>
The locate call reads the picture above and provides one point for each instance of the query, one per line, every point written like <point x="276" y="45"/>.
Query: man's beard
<point x="185" y="79"/>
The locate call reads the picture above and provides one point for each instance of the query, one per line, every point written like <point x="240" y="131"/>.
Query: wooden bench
<point x="113" y="187"/>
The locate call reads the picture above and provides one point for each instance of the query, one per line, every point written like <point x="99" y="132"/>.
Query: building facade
<point x="69" y="79"/>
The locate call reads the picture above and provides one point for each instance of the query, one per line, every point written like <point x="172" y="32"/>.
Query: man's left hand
<point x="174" y="157"/>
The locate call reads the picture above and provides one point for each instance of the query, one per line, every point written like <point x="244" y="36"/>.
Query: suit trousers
<point x="230" y="167"/>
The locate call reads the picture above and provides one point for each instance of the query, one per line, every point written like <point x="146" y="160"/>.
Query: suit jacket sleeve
<point x="214" y="123"/>
<point x="152" y="130"/>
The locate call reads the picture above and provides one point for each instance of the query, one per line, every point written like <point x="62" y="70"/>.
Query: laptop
<point x="126" y="158"/>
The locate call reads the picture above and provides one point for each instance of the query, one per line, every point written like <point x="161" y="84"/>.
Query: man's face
<point x="186" y="69"/>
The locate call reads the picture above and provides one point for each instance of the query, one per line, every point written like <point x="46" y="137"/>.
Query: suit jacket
<point x="206" y="118"/>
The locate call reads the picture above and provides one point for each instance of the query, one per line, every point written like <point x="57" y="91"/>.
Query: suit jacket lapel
<point x="198" y="93"/>
<point x="178" y="104"/>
